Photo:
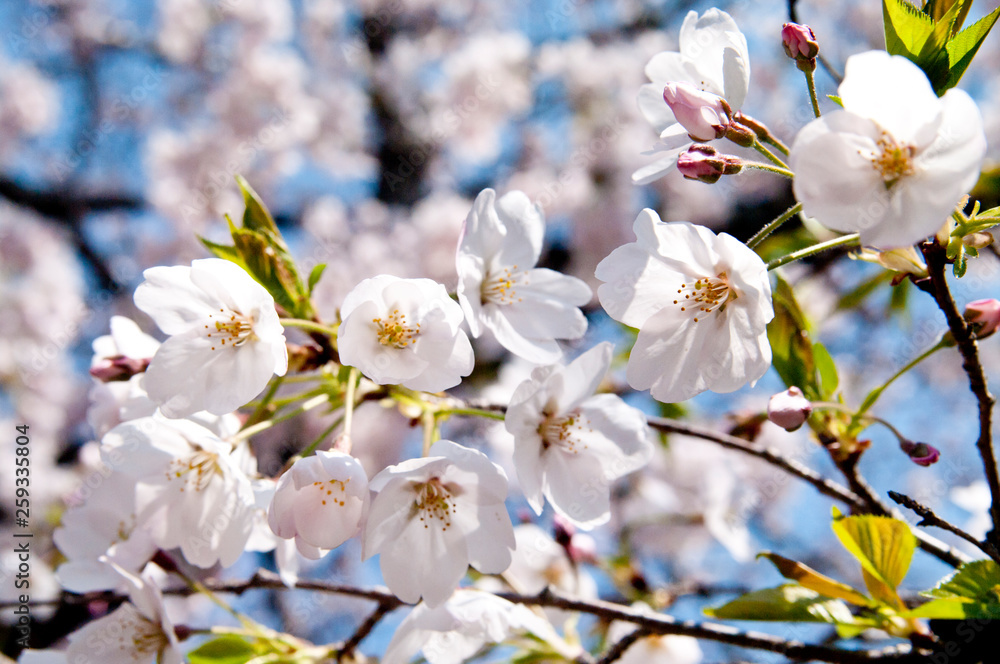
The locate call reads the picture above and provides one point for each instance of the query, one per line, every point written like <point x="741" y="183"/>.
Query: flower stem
<point x="774" y="225"/>
<point x="761" y="166"/>
<point x="474" y="412"/>
<point x="309" y="325"/>
<point x="877" y="392"/>
<point x="811" y="84"/>
<point x="844" y="241"/>
<point x="773" y="158"/>
<point x="830" y="405"/>
<point x="259" y="411"/>
<point x="430" y="423"/>
<point x="352" y="385"/>
<point x="267" y="424"/>
<point x="309" y="449"/>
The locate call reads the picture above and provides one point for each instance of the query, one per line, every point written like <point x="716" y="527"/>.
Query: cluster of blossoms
<point x="179" y="472"/>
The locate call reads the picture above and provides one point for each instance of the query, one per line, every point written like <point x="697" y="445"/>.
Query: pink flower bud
<point x="983" y="316"/>
<point x="118" y="368"/>
<point x="705" y="116"/>
<point x="704" y="163"/>
<point x="799" y="41"/>
<point x="789" y="409"/>
<point x="921" y="454"/>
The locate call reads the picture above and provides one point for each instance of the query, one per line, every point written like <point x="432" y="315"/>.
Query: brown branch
<point x="618" y="649"/>
<point x="860" y="496"/>
<point x="651" y="624"/>
<point x="826" y="487"/>
<point x="969" y="349"/>
<point x="929" y="519"/>
<point x="364" y="629"/>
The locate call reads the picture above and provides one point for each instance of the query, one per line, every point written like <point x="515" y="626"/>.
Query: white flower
<point x="100" y="533"/>
<point x="455" y="631"/>
<point x="320" y="501"/>
<point x="225" y="339"/>
<point x="570" y="445"/>
<point x="500" y="288"/>
<point x="713" y="57"/>
<point x="405" y="332"/>
<point x="123" y="353"/>
<point x="433" y="517"/>
<point x="895" y="161"/>
<point x="701" y="302"/>
<point x="190" y="489"/>
<point x="136" y="632"/>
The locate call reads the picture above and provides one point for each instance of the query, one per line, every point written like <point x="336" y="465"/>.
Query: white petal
<point x="525" y="229"/>
<point x="652" y="106"/>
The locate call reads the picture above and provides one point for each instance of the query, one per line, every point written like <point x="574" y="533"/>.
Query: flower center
<point x="500" y="288"/>
<point x="197" y="469"/>
<point x="435" y="502"/>
<point x="236" y="329"/>
<point x="146" y="637"/>
<point x="395" y="332"/>
<point x="564" y="432"/>
<point x="706" y="295"/>
<point x="327" y="491"/>
<point x="893" y="160"/>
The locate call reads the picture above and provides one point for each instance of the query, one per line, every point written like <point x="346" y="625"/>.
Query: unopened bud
<point x="704" y="163"/>
<point x="745" y="137"/>
<point x="921" y="454"/>
<point x="703" y="115"/>
<point x="789" y="409"/>
<point x="978" y="240"/>
<point x="983" y="316"/>
<point x="800" y="45"/>
<point x="118" y="368"/>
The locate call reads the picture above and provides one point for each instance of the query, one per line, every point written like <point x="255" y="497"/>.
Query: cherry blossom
<point x="570" y="445"/>
<point x="123" y="353"/>
<point x="225" y="339"/>
<point x="670" y="649"/>
<point x="894" y="162"/>
<point x="713" y="58"/>
<point x="320" y="501"/>
<point x="135" y="632"/>
<point x="191" y="488"/>
<point x="433" y="517"/>
<point x="459" y="628"/>
<point x="500" y="288"/>
<point x="701" y="302"/>
<point x="406" y="332"/>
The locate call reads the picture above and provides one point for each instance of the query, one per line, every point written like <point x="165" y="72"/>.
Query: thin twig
<point x="365" y="628"/>
<point x="859" y="496"/>
<point x="967" y="346"/>
<point x="618" y="649"/>
<point x="929" y="519"/>
<point x="823" y="485"/>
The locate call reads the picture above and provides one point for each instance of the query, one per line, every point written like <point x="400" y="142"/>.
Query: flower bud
<point x="118" y="368"/>
<point x="978" y="240"/>
<point x="704" y="163"/>
<point x="705" y="116"/>
<point x="789" y="409"/>
<point x="983" y="316"/>
<point x="799" y="41"/>
<point x="921" y="454"/>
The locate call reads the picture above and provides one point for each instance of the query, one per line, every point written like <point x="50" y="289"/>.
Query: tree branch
<point x="364" y="629"/>
<point x="967" y="346"/>
<point x="930" y="519"/>
<point x="860" y="496"/>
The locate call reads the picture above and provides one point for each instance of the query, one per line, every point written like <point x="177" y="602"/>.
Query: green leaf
<point x="827" y="370"/>
<point x="229" y="649"/>
<point x="224" y="251"/>
<point x="256" y="215"/>
<point x="787" y="603"/>
<point x="962" y="48"/>
<point x="907" y="29"/>
<point x="314" y="276"/>
<point x="883" y="546"/>
<point x="836" y="100"/>
<point x="978" y="580"/>
<point x="262" y="262"/>
<point x="813" y="580"/>
<point x="791" y="346"/>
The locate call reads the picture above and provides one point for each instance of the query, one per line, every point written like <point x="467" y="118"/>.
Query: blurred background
<point x="368" y="127"/>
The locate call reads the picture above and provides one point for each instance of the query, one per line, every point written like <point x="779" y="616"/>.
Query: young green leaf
<point x="229" y="649"/>
<point x="813" y="580"/>
<point x="962" y="47"/>
<point x="315" y="275"/>
<point x="789" y="603"/>
<point x="827" y="369"/>
<point x="883" y="546"/>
